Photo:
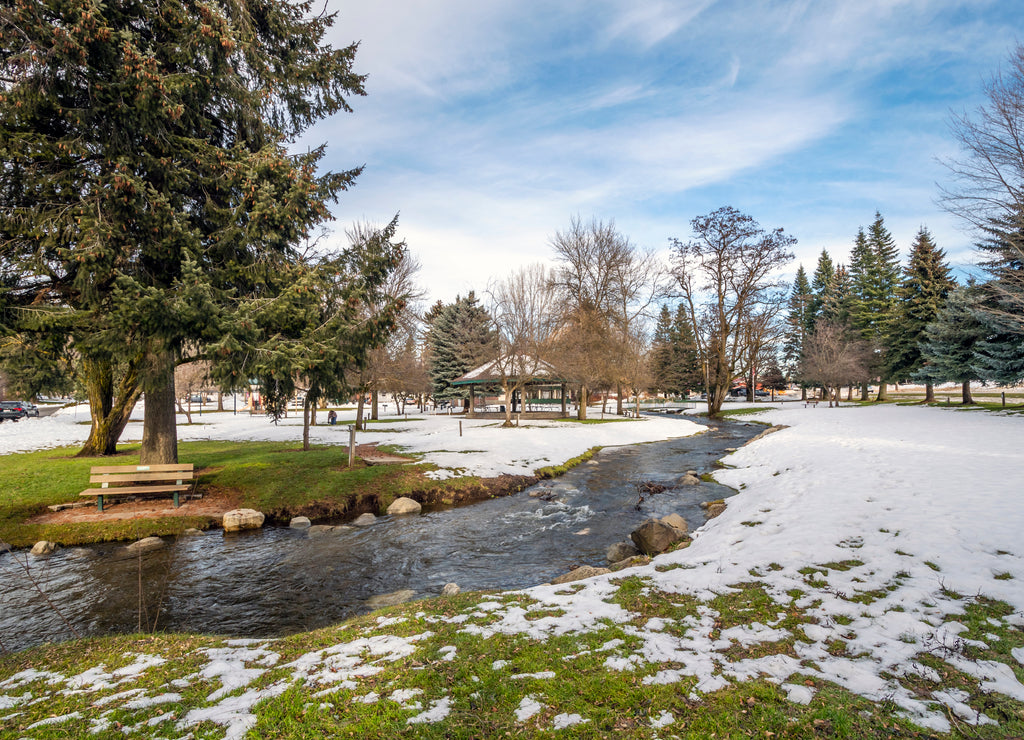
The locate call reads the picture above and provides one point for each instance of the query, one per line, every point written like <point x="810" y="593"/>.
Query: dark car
<point x="13" y="410"/>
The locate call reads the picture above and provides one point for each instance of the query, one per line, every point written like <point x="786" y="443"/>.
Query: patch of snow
<point x="561" y="721"/>
<point x="527" y="708"/>
<point x="438" y="711"/>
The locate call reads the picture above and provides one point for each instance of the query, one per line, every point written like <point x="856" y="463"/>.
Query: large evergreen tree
<point x="922" y="294"/>
<point x="687" y="373"/>
<point x="821" y="287"/>
<point x="950" y="346"/>
<point x="874" y="273"/>
<point x="147" y="185"/>
<point x="661" y="365"/>
<point x="460" y="337"/>
<point x="797" y="322"/>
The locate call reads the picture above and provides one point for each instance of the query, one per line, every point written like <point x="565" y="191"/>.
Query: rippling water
<point x="277" y="581"/>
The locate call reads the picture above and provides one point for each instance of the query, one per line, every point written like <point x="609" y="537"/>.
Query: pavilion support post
<point x="564" y="411"/>
<point x="472" y="400"/>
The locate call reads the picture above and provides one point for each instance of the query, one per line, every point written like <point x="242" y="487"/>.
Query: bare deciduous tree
<point x="726" y="276"/>
<point x="606" y="289"/>
<point x="988" y="186"/>
<point x="832" y="358"/>
<point x="523" y="310"/>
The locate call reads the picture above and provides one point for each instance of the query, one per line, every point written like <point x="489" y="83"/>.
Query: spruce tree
<point x="821" y="287"/>
<point x="661" y="354"/>
<point x="798" y="321"/>
<point x="950" y="344"/>
<point x="874" y="273"/>
<point x="922" y="294"/>
<point x="460" y="338"/>
<point x="687" y="371"/>
<point x="148" y="184"/>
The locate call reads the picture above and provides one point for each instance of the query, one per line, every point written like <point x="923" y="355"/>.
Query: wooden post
<point x="1004" y="399"/>
<point x="351" y="445"/>
<point x="460" y="427"/>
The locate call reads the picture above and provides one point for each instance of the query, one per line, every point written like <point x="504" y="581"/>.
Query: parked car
<point x="30" y="408"/>
<point x="13" y="410"/>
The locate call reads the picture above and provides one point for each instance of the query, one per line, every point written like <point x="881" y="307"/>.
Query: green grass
<point x="276" y="478"/>
<point x="553" y="471"/>
<point x="484" y="696"/>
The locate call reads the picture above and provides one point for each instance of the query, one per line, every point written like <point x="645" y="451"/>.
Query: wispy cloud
<point x="488" y="124"/>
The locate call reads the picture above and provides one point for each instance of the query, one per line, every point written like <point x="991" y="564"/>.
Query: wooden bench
<point x="811" y="402"/>
<point x="129" y="480"/>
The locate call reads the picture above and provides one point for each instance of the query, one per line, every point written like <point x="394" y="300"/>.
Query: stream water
<point x="278" y="580"/>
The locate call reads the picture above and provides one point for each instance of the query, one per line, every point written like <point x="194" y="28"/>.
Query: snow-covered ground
<point x="906" y="512"/>
<point x="458" y="447"/>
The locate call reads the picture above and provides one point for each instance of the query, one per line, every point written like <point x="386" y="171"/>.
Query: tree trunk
<point x="618" y="399"/>
<point x="509" y="393"/>
<point x="803" y="393"/>
<point x="359" y="413"/>
<point x="110" y="412"/>
<point x="929" y="393"/>
<point x="865" y="392"/>
<point x="849" y="393"/>
<point x="883" y="392"/>
<point x="220" y="400"/>
<point x="374" y="404"/>
<point x="159" y="429"/>
<point x="582" y="413"/>
<point x="305" y="423"/>
<point x="966" y="392"/>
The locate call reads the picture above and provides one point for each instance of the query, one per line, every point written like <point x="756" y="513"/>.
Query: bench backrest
<point x="108" y="474"/>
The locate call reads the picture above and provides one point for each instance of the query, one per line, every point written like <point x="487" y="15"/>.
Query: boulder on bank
<point x="43" y="547"/>
<point x="400" y="596"/>
<point x="713" y="508"/>
<point x="690" y="479"/>
<point x="300" y="522"/>
<point x="629" y="563"/>
<point x="144" y="545"/>
<point x="451" y="589"/>
<point x="404" y="505"/>
<point x="578" y="574"/>
<point x="620" y="551"/>
<point x="239" y="519"/>
<point x="320" y="529"/>
<point x="655" y="536"/>
<point x="674" y="520"/>
<point x="364" y="520"/>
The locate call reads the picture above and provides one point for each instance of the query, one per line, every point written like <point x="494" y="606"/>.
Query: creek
<point x="278" y="580"/>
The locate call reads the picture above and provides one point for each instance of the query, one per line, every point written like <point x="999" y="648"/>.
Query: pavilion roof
<point x="490" y="372"/>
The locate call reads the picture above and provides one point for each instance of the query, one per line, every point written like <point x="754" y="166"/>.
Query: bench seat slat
<point x="133" y="477"/>
<point x="131" y="490"/>
<point x="97" y="470"/>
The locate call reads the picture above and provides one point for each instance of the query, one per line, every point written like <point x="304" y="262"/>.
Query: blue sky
<point x="488" y="124"/>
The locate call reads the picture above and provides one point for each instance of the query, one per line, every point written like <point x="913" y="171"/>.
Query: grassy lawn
<point x="494" y="685"/>
<point x="276" y="478"/>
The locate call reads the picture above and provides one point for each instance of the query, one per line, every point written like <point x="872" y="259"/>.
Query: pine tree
<point x="687" y="371"/>
<point x="798" y="321"/>
<point x="148" y="184"/>
<point x="821" y="287"/>
<point x="837" y="306"/>
<point x="922" y="294"/>
<point x="460" y="338"/>
<point x="661" y="353"/>
<point x="1001" y="355"/>
<point x="949" y="351"/>
<point x="874" y="272"/>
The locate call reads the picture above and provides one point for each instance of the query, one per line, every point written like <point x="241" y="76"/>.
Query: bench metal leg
<point x="99" y="502"/>
<point x="176" y="500"/>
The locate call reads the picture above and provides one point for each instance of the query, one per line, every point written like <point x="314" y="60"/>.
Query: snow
<point x="880" y="524"/>
<point x="481" y="448"/>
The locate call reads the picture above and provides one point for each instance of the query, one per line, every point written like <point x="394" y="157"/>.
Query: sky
<point x="487" y="126"/>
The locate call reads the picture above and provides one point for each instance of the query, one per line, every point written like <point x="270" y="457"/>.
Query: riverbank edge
<point x="440" y="493"/>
